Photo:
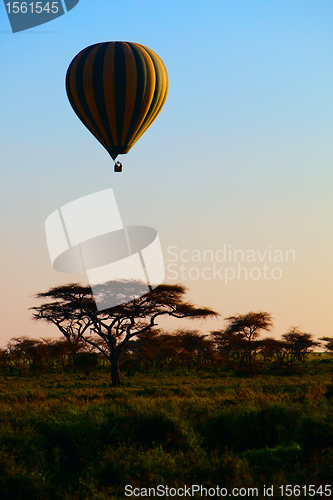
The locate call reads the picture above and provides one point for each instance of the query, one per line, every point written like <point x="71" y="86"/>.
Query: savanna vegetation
<point x="68" y="436"/>
<point x="234" y="408"/>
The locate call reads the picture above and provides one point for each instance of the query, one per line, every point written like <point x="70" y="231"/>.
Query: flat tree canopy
<point x="73" y="310"/>
<point x="249" y="327"/>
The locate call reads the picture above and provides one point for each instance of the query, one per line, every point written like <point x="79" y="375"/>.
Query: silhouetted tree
<point x="231" y="347"/>
<point x="27" y="352"/>
<point x="73" y="310"/>
<point x="250" y="325"/>
<point x="272" y="348"/>
<point x="86" y="361"/>
<point x="4" y="361"/>
<point x="144" y="349"/>
<point x="193" y="347"/>
<point x="176" y="348"/>
<point x="298" y="344"/>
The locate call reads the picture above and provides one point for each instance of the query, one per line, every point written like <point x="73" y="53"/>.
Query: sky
<point x="240" y="157"/>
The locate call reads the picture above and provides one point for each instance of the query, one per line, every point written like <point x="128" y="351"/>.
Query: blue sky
<point x="240" y="155"/>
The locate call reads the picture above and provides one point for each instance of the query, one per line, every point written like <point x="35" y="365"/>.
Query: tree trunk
<point x="115" y="373"/>
<point x="250" y="357"/>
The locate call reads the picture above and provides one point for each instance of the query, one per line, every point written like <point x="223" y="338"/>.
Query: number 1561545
<point x="32" y="7"/>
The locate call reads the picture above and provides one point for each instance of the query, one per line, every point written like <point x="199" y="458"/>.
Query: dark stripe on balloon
<point x="69" y="90"/>
<point x="152" y="74"/>
<point x="141" y="88"/>
<point x="99" y="91"/>
<point x="120" y="89"/>
<point x="89" y="92"/>
<point x="79" y="83"/>
<point x="72" y="94"/>
<point x="109" y="90"/>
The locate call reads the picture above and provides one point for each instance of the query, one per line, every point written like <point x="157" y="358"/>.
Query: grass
<point x="74" y="438"/>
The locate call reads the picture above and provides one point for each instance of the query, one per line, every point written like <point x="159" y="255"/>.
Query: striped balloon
<point x="117" y="89"/>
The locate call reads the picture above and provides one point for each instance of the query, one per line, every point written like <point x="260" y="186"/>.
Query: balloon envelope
<point x="117" y="89"/>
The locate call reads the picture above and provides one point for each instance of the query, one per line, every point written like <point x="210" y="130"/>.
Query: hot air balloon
<point x="117" y="89"/>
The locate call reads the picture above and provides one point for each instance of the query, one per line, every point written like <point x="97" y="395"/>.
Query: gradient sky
<point x="240" y="155"/>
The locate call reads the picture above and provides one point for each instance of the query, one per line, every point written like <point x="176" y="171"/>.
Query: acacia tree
<point x="298" y="344"/>
<point x="272" y="348"/>
<point x="250" y="325"/>
<point x="230" y="346"/>
<point x="179" y="347"/>
<point x="25" y="352"/>
<point x="73" y="310"/>
<point x="194" y="347"/>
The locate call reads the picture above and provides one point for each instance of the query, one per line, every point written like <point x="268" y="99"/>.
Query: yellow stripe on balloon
<point x="151" y="80"/>
<point x="162" y="97"/>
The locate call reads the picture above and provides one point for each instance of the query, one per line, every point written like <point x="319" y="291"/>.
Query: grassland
<point x="67" y="437"/>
